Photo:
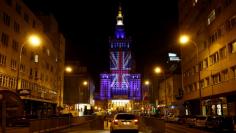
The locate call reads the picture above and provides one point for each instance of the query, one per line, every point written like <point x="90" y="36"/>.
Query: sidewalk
<point x="16" y="130"/>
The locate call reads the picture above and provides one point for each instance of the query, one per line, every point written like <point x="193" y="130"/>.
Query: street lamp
<point x="68" y="69"/>
<point x="85" y="84"/>
<point x="33" y="40"/>
<point x="184" y="39"/>
<point x="158" y="70"/>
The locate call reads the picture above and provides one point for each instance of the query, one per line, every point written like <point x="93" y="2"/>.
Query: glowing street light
<point x="68" y="69"/>
<point x="184" y="39"/>
<point x="147" y="82"/>
<point x="35" y="41"/>
<point x="85" y="83"/>
<point x="157" y="70"/>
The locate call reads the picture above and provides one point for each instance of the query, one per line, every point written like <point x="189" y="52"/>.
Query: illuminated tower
<point x="120" y="83"/>
<point x="120" y="60"/>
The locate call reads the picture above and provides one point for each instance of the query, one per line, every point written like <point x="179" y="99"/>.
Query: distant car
<point x="124" y="122"/>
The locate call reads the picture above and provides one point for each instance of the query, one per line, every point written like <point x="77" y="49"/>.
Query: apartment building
<point x="209" y="75"/>
<point x="41" y="69"/>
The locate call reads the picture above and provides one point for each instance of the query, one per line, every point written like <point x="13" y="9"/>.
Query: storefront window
<point x="213" y="107"/>
<point x="219" y="112"/>
<point x="225" y="112"/>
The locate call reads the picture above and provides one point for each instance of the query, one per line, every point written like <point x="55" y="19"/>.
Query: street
<point x="169" y="128"/>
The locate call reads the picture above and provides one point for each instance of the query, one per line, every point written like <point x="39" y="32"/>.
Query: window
<point x="24" y="51"/>
<point x="230" y="23"/>
<point x="8" y="2"/>
<point x="34" y="24"/>
<point x="48" y="52"/>
<point x="205" y="63"/>
<point x="201" y="84"/>
<point x="195" y="86"/>
<point x="6" y="19"/>
<point x="36" y="75"/>
<point x="232" y="47"/>
<point x="227" y="2"/>
<point x="224" y="75"/>
<point x="16" y="27"/>
<point x="36" y="58"/>
<point x="18" y="8"/>
<point x="22" y="68"/>
<point x="211" y="17"/>
<point x="5" y="39"/>
<point x="13" y="64"/>
<point x="216" y="78"/>
<point x="3" y="59"/>
<point x="223" y="53"/>
<point x="15" y="45"/>
<point x="31" y="73"/>
<point x="207" y="81"/>
<point x="26" y="17"/>
<point x="214" y="58"/>
<point x="234" y="70"/>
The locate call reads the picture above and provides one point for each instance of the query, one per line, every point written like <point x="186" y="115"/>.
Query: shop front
<point x="39" y="109"/>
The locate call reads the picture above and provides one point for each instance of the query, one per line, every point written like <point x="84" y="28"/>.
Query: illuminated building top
<point x="120" y="83"/>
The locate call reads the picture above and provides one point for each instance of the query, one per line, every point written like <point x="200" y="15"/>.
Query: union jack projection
<point x="120" y="83"/>
<point x="120" y="66"/>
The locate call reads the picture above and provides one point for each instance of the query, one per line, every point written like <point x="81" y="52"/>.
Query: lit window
<point x="211" y="17"/>
<point x="232" y="47"/>
<point x="48" y="52"/>
<point x="219" y="109"/>
<point x="36" y="58"/>
<point x="119" y="22"/>
<point x="205" y="63"/>
<point x="216" y="78"/>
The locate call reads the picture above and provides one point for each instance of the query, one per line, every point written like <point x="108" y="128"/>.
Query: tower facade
<point x="120" y="83"/>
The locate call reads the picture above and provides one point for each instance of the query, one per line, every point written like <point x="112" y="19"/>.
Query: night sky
<point x="87" y="25"/>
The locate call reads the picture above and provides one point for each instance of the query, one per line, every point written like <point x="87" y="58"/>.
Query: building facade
<point x="209" y="75"/>
<point x="168" y="91"/>
<point x="120" y="87"/>
<point x="41" y="69"/>
<point x="78" y="89"/>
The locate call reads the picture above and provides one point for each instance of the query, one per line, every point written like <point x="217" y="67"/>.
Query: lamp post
<point x="34" y="40"/>
<point x="158" y="70"/>
<point x="147" y="84"/>
<point x="184" y="39"/>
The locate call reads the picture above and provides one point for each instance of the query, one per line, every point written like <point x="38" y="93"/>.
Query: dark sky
<point x="87" y="25"/>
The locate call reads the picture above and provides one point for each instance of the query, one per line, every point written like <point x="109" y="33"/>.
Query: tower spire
<point x="119" y="17"/>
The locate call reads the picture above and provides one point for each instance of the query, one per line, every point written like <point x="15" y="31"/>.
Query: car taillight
<point x="136" y="121"/>
<point x="115" y="122"/>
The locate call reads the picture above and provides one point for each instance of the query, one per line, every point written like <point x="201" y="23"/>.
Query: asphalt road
<point x="93" y="128"/>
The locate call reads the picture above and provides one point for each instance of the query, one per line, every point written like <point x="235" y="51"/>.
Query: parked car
<point x="181" y="119"/>
<point x="201" y="121"/>
<point x="234" y="123"/>
<point x="219" y="123"/>
<point x="190" y="120"/>
<point x="212" y="122"/>
<point x="18" y="121"/>
<point x="124" y="122"/>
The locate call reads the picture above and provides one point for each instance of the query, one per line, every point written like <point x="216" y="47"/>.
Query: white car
<point x="124" y="122"/>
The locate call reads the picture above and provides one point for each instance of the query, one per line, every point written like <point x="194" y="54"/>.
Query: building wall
<point x="168" y="89"/>
<point x="39" y="77"/>
<point x="74" y="90"/>
<point x="212" y="26"/>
